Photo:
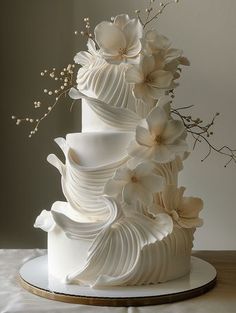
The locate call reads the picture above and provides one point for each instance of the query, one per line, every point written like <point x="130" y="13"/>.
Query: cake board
<point x="33" y="276"/>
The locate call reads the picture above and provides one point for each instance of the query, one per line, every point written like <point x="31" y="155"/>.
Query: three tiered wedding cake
<point x="125" y="220"/>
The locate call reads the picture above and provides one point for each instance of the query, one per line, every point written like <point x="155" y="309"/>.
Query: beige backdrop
<point x="38" y="34"/>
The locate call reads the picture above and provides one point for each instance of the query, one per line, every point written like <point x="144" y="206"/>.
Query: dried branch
<point x="201" y="132"/>
<point x="66" y="79"/>
<point x="151" y="13"/>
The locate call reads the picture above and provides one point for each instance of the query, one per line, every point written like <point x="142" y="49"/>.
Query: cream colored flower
<point x="150" y="79"/>
<point x="162" y="141"/>
<point x="119" y="41"/>
<point x="183" y="210"/>
<point x="135" y="185"/>
<point x="159" y="45"/>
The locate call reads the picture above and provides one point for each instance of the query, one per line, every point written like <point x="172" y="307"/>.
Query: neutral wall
<point x="34" y="35"/>
<point x="38" y="34"/>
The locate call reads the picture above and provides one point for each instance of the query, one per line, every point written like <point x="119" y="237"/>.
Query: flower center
<point x="148" y="79"/>
<point x="122" y="52"/>
<point x="134" y="179"/>
<point x="158" y="140"/>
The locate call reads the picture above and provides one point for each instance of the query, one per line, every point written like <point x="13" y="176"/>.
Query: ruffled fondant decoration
<point x="105" y="82"/>
<point x="83" y="186"/>
<point x="75" y="229"/>
<point x="170" y="170"/>
<point x="115" y="255"/>
<point x="45" y="221"/>
<point x="183" y="210"/>
<point x="122" y="119"/>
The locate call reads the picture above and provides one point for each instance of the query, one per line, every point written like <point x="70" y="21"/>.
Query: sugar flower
<point x="162" y="141"/>
<point x="134" y="185"/>
<point x="159" y="45"/>
<point x="119" y="41"/>
<point x="150" y="79"/>
<point x="183" y="210"/>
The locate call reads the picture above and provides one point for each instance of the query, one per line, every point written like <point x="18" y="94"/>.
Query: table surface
<point x="14" y="299"/>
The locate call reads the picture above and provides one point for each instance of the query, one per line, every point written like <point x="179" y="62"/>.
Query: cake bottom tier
<point x="159" y="262"/>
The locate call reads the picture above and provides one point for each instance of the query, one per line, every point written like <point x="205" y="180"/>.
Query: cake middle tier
<point x="96" y="149"/>
<point x="91" y="160"/>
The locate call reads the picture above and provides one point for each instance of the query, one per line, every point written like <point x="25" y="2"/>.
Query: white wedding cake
<point x="125" y="220"/>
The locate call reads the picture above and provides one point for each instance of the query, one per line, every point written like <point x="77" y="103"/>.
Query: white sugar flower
<point x="162" y="141"/>
<point x="183" y="210"/>
<point x="150" y="79"/>
<point x="159" y="45"/>
<point x="135" y="185"/>
<point x="119" y="41"/>
<point x="156" y="43"/>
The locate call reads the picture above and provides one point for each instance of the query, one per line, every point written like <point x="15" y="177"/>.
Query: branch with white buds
<point x="65" y="78"/>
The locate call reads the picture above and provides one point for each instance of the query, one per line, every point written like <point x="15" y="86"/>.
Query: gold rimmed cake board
<point x="108" y="297"/>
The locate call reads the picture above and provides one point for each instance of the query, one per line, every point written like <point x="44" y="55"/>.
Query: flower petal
<point x="139" y="152"/>
<point x="178" y="146"/>
<point x="173" y="53"/>
<point x="147" y="64"/>
<point x="160" y="79"/>
<point x="134" y="191"/>
<point x="134" y="75"/>
<point x="121" y="20"/>
<point x="144" y="169"/>
<point x="173" y="130"/>
<point x="172" y="66"/>
<point x="157" y="120"/>
<point x="113" y="187"/>
<point x="141" y="91"/>
<point x="143" y="136"/>
<point x="152" y="182"/>
<point x="162" y="154"/>
<point x="156" y="40"/>
<point x="155" y="92"/>
<point x="123" y="173"/>
<point x="133" y="32"/>
<point x="190" y="223"/>
<point x="191" y="206"/>
<point x="184" y="61"/>
<point x="110" y="38"/>
<point x="130" y="193"/>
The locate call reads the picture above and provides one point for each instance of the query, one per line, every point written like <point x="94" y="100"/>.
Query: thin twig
<point x="201" y="132"/>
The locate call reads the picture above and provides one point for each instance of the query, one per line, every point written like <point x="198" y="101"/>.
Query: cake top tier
<point x="128" y="71"/>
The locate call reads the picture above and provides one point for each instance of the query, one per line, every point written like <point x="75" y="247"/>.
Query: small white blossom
<point x="134" y="185"/>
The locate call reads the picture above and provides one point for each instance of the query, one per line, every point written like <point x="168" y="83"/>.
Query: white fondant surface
<point x="64" y="253"/>
<point x="96" y="149"/>
<point x="91" y="122"/>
